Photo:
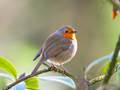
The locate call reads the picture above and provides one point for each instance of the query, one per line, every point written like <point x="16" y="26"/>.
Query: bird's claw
<point x="53" y="68"/>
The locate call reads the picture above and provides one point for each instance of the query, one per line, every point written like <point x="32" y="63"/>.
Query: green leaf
<point x="118" y="75"/>
<point x="8" y="67"/>
<point x="106" y="67"/>
<point x="60" y="79"/>
<point x="118" y="71"/>
<point x="4" y="78"/>
<point x="32" y="83"/>
<point x="95" y="68"/>
<point x="99" y="66"/>
<point x="2" y="83"/>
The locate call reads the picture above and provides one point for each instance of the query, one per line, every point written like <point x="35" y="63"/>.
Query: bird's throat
<point x="70" y="36"/>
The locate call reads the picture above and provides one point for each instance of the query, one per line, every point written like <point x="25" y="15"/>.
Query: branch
<point x="112" y="63"/>
<point x="99" y="78"/>
<point x="95" y="80"/>
<point x="26" y="77"/>
<point x="38" y="73"/>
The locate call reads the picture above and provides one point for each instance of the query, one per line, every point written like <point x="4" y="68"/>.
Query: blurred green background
<point x="25" y="24"/>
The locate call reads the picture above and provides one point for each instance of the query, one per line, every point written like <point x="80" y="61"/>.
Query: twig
<point x="112" y="63"/>
<point x="26" y="77"/>
<point x="38" y="73"/>
<point x="95" y="80"/>
<point x="99" y="78"/>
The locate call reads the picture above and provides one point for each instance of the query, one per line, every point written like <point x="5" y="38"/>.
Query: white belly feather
<point x="66" y="56"/>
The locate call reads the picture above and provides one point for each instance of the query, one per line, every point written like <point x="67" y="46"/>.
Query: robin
<point x="59" y="48"/>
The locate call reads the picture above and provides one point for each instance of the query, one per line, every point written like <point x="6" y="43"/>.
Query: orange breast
<point x="68" y="35"/>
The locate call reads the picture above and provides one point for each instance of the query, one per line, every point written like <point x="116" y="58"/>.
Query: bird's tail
<point x="37" y="66"/>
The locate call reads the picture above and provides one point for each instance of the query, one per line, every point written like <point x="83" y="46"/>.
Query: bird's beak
<point x="114" y="13"/>
<point x="75" y="31"/>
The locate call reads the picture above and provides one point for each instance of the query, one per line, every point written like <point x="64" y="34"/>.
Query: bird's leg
<point x="49" y="65"/>
<point x="53" y="67"/>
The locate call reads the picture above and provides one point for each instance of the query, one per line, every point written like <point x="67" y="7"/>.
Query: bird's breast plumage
<point x="63" y="52"/>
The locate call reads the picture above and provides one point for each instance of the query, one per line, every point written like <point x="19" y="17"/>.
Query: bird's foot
<point x="53" y="67"/>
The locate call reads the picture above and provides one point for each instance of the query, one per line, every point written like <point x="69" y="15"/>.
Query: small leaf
<point x="118" y="75"/>
<point x="3" y="82"/>
<point x="95" y="68"/>
<point x="8" y="67"/>
<point x="105" y="68"/>
<point x="32" y="83"/>
<point x="4" y="78"/>
<point x="64" y="80"/>
<point x="118" y="72"/>
<point x="99" y="66"/>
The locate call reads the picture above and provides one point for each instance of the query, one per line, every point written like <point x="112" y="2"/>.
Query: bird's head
<point x="67" y="32"/>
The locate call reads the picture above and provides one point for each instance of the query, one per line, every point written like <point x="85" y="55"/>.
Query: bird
<point x="116" y="8"/>
<point x="59" y="48"/>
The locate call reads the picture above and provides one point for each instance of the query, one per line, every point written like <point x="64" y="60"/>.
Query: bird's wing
<point x="53" y="46"/>
<point x="56" y="45"/>
<point x="50" y="40"/>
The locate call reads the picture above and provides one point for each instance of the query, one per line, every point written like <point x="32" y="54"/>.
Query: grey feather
<point x="37" y="66"/>
<point x="38" y="54"/>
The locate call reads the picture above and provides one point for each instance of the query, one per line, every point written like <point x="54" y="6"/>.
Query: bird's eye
<point x="66" y="31"/>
